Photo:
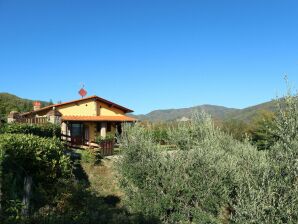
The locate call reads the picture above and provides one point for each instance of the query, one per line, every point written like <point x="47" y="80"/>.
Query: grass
<point x="103" y="178"/>
<point x="101" y="174"/>
<point x="99" y="196"/>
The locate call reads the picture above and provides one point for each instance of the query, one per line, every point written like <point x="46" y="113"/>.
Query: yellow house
<point x="86" y="118"/>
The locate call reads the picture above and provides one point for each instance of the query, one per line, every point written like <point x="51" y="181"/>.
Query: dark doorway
<point x="119" y="128"/>
<point x="77" y="133"/>
<point x="86" y="134"/>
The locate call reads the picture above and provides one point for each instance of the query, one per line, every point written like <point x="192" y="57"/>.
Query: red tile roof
<point x="99" y="118"/>
<point x="126" y="110"/>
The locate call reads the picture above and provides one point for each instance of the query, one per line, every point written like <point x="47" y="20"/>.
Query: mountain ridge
<point x="217" y="112"/>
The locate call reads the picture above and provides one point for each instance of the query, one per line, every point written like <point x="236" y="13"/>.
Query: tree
<point x="236" y="128"/>
<point x="260" y="130"/>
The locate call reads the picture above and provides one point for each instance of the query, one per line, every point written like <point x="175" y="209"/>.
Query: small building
<point x="83" y="119"/>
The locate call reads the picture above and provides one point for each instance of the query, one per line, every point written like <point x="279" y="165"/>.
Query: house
<point x="83" y="119"/>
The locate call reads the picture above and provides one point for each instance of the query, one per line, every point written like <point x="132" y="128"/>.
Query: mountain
<point x="9" y="102"/>
<point x="217" y="113"/>
<point x="247" y="114"/>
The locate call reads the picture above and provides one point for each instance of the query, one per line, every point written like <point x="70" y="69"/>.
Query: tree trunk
<point x="27" y="195"/>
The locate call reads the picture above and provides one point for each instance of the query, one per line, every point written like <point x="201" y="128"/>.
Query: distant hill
<point x="9" y="102"/>
<point x="247" y="114"/>
<point x="217" y="112"/>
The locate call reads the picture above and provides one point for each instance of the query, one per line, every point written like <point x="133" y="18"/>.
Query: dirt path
<point x="103" y="178"/>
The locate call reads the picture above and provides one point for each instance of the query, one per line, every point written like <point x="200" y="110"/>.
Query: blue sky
<point x="149" y="54"/>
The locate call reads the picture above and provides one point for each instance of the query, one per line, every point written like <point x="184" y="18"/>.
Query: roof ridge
<point x="78" y="100"/>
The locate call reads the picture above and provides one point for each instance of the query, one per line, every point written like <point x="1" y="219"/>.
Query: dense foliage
<point x="210" y="177"/>
<point x="30" y="156"/>
<point x="260" y="130"/>
<point x="44" y="130"/>
<point x="9" y="102"/>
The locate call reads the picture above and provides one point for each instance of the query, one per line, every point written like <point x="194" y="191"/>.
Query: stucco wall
<point x="87" y="108"/>
<point x="104" y="110"/>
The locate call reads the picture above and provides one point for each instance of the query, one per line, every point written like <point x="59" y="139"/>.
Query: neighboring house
<point x="183" y="119"/>
<point x="84" y="119"/>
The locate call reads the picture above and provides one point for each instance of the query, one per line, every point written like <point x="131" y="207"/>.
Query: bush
<point x="42" y="130"/>
<point x="273" y="197"/>
<point x="260" y="130"/>
<point x="30" y="156"/>
<point x="197" y="182"/>
<point x="109" y="138"/>
<point x="211" y="177"/>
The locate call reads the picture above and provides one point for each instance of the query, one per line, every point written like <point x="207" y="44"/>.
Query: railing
<point x="33" y="120"/>
<point x="66" y="139"/>
<point x="106" y="146"/>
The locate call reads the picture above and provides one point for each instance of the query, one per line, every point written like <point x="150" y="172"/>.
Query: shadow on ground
<point x="83" y="206"/>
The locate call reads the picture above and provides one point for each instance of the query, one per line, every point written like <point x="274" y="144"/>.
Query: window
<point x="98" y="127"/>
<point x="109" y="127"/>
<point x="76" y="130"/>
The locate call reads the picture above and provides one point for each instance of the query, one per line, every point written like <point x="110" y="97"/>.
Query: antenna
<point x="82" y="91"/>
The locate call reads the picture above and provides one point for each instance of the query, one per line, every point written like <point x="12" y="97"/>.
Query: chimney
<point x="36" y="105"/>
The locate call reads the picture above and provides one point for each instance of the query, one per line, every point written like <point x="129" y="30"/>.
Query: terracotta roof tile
<point x="99" y="118"/>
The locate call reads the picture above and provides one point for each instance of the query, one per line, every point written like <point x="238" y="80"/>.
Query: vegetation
<point x="260" y="130"/>
<point x="45" y="130"/>
<point x="67" y="186"/>
<point x="237" y="129"/>
<point x="9" y="102"/>
<point x="108" y="138"/>
<point x="257" y="131"/>
<point x="27" y="156"/>
<point x="178" y="172"/>
<point x="212" y="178"/>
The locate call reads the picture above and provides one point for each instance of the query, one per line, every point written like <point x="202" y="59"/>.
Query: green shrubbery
<point x="44" y="130"/>
<point x="210" y="177"/>
<point x="109" y="138"/>
<point x="30" y="156"/>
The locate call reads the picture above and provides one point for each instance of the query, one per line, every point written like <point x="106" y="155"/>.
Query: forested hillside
<point x="9" y="102"/>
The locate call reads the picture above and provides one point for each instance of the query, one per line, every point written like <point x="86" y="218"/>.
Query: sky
<point x="149" y="54"/>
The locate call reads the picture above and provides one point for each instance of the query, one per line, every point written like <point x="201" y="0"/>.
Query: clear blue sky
<point x="149" y="54"/>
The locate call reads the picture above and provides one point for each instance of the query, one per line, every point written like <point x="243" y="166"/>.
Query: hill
<point x="217" y="112"/>
<point x="9" y="102"/>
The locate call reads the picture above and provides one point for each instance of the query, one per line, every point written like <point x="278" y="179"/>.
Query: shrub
<point x="273" y="197"/>
<point x="197" y="182"/>
<point x="30" y="156"/>
<point x="260" y="130"/>
<point x="159" y="132"/>
<point x="42" y="130"/>
<point x="109" y="137"/>
<point x="211" y="177"/>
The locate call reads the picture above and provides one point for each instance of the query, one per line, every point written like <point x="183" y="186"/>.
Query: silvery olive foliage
<point x="274" y="197"/>
<point x="205" y="176"/>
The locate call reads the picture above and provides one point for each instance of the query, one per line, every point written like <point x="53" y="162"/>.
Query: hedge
<point x="42" y="130"/>
<point x="30" y="156"/>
